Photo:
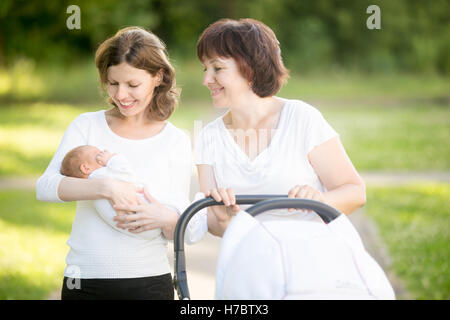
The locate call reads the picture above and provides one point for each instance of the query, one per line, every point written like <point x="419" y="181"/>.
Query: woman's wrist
<point x="169" y="222"/>
<point x="170" y="217"/>
<point x="105" y="189"/>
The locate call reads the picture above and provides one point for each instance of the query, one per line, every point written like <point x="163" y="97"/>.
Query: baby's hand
<point x="103" y="157"/>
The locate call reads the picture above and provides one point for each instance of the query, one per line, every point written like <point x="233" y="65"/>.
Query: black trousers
<point x="149" y="288"/>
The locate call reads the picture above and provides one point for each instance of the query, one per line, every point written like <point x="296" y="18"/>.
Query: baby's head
<point x="80" y="162"/>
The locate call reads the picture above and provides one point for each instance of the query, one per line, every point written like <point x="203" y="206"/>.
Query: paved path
<point x="402" y="178"/>
<point x="201" y="258"/>
<point x="373" y="243"/>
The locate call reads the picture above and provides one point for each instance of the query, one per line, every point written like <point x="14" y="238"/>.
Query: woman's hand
<point x="305" y="192"/>
<point x="230" y="208"/>
<point x="147" y="216"/>
<point x="122" y="194"/>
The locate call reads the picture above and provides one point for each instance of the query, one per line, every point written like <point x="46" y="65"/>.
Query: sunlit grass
<point x="30" y="134"/>
<point x="33" y="246"/>
<point x="414" y="221"/>
<point x="414" y="138"/>
<point x="381" y="121"/>
<point x="78" y="83"/>
<point x="365" y="89"/>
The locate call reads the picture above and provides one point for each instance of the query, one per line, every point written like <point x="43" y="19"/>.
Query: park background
<point x="386" y="91"/>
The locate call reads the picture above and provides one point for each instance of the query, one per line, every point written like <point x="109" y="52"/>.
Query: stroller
<point x="267" y="261"/>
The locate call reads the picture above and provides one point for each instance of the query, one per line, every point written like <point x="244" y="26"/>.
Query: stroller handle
<point x="325" y="212"/>
<point x="261" y="203"/>
<point x="180" y="279"/>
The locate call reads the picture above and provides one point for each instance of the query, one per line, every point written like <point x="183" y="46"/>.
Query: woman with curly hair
<point x="104" y="263"/>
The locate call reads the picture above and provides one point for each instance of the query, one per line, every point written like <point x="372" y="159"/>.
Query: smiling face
<point x="225" y="82"/>
<point x="131" y="89"/>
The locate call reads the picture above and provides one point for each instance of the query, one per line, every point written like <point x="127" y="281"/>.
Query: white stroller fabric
<point x="295" y="259"/>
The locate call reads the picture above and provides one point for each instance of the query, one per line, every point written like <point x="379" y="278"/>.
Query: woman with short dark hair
<point x="264" y="144"/>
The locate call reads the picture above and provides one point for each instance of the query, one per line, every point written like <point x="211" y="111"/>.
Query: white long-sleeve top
<point x="163" y="161"/>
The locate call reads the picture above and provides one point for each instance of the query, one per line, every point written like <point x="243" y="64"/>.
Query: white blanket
<point x="295" y="259"/>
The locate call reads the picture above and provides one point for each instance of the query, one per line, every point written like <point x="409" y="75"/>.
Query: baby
<point x="81" y="161"/>
<point x="89" y="162"/>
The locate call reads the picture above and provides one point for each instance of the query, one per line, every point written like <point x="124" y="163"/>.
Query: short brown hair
<point x="70" y="166"/>
<point x="142" y="50"/>
<point x="253" y="46"/>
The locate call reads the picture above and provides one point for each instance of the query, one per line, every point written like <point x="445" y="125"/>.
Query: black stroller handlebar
<point x="325" y="212"/>
<point x="261" y="203"/>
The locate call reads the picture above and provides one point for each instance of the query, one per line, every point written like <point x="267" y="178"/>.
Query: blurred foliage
<point x="314" y="35"/>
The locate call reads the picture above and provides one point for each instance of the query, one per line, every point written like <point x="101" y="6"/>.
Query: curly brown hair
<point x="143" y="50"/>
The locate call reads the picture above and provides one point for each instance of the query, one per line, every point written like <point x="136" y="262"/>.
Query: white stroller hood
<point x="296" y="259"/>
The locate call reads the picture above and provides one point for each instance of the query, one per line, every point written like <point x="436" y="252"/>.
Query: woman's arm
<point x="52" y="186"/>
<point x="218" y="216"/>
<point x="116" y="191"/>
<point x="74" y="189"/>
<point x="346" y="190"/>
<point x="47" y="187"/>
<point x="180" y="166"/>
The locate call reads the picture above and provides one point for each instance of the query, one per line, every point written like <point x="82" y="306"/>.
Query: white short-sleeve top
<point x="277" y="168"/>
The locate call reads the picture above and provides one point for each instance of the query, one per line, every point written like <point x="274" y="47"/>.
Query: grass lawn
<point x="376" y="138"/>
<point x="78" y="83"/>
<point x="412" y="138"/>
<point x="33" y="246"/>
<point x="380" y="128"/>
<point x="414" y="222"/>
<point x="30" y="133"/>
<point x="386" y="121"/>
